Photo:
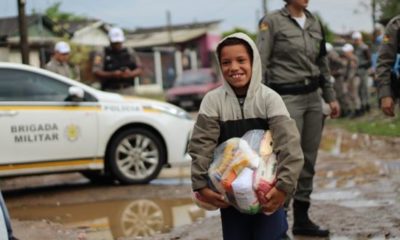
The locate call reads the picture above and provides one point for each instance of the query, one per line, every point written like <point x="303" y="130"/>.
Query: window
<point x="20" y="85"/>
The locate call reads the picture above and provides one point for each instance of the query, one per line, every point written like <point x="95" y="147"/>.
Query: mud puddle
<point x="114" y="219"/>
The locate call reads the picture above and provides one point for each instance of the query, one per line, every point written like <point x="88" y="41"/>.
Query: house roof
<point x="9" y="25"/>
<point x="177" y="27"/>
<point x="159" y="36"/>
<point x="76" y="25"/>
<point x="40" y="30"/>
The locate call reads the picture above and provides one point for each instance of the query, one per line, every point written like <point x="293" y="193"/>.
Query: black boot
<point x="302" y="224"/>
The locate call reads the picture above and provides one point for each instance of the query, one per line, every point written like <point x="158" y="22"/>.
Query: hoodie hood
<point x="256" y="75"/>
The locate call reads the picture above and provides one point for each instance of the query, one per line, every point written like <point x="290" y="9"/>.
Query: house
<point x="165" y="51"/>
<point x="41" y="36"/>
<point x="175" y="48"/>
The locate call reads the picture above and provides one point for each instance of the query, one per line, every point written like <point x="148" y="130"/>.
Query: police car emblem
<point x="72" y="132"/>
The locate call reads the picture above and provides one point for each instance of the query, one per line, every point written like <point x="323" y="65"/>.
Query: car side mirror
<point x="75" y="94"/>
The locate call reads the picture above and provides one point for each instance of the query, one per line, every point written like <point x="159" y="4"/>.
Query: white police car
<point x="49" y="123"/>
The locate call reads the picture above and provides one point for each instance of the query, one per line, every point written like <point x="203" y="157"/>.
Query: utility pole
<point x="373" y="7"/>
<point x="264" y="6"/>
<point x="23" y="35"/>
<point x="169" y="27"/>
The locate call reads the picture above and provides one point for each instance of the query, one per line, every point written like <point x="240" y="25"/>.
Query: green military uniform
<point x="63" y="68"/>
<point x="337" y="66"/>
<point x="295" y="65"/>
<point x="387" y="57"/>
<point x="352" y="82"/>
<point x="364" y="63"/>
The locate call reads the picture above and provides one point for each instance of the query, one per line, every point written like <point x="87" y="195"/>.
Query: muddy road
<point x="357" y="195"/>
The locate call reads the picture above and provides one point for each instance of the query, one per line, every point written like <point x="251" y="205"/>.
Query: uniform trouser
<point x="306" y="110"/>
<point x="342" y="94"/>
<point x="354" y="87"/>
<point x="363" y="88"/>
<point x="241" y="226"/>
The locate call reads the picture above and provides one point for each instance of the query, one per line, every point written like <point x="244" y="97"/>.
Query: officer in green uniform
<point x="361" y="50"/>
<point x="386" y="59"/>
<point x="293" y="54"/>
<point x="117" y="66"/>
<point x="60" y="64"/>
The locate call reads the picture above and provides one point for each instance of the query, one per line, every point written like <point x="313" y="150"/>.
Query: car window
<point x="19" y="85"/>
<point x="194" y="78"/>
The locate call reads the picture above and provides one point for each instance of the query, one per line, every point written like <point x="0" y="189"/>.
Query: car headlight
<point x="174" y="111"/>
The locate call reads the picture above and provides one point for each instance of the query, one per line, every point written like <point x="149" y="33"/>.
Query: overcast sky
<point x="341" y="15"/>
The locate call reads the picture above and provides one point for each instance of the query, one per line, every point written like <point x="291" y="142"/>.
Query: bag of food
<point x="244" y="170"/>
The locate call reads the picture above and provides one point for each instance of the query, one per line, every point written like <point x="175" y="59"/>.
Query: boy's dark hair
<point x="234" y="41"/>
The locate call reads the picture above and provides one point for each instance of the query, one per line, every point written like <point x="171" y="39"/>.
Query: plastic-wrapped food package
<point x="244" y="170"/>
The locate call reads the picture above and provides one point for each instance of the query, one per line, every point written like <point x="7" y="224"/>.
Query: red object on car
<point x="191" y="87"/>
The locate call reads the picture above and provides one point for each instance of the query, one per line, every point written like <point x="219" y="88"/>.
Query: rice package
<point x="244" y="170"/>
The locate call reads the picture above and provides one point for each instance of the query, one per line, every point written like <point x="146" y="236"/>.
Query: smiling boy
<point x="243" y="103"/>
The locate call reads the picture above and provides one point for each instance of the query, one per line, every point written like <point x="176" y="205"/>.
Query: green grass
<point x="159" y="97"/>
<point x="373" y="123"/>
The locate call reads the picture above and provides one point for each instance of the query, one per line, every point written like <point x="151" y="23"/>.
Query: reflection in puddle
<point x="114" y="219"/>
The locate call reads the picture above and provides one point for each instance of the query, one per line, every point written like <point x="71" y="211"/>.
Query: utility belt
<point x="296" y="88"/>
<point x="116" y="84"/>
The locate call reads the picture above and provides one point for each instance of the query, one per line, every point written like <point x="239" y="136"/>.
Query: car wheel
<point x="136" y="156"/>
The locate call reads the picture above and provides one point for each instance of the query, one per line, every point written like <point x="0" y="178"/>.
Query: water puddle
<point x="113" y="219"/>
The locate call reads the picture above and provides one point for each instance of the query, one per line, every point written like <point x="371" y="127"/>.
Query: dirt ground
<point x="357" y="194"/>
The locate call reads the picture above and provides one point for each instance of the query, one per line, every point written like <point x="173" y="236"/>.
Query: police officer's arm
<point x="135" y="69"/>
<point x="386" y="57"/>
<point x="97" y="68"/>
<point x="265" y="41"/>
<point x="325" y="83"/>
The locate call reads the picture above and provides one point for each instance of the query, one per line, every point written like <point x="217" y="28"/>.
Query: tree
<point x="388" y="9"/>
<point x="54" y="13"/>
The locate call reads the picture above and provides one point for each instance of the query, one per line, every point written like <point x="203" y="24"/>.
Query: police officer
<point x="352" y="80"/>
<point x="292" y="48"/>
<point x="117" y="66"/>
<point x="337" y="65"/>
<point x="59" y="62"/>
<point x="386" y="59"/>
<point x="361" y="50"/>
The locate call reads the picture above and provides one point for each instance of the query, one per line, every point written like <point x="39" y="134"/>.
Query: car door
<point x="39" y="124"/>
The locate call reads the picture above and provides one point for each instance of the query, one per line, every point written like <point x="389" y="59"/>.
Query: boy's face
<point x="236" y="67"/>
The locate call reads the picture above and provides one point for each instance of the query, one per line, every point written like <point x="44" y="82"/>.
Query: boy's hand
<point x="213" y="198"/>
<point x="276" y="199"/>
